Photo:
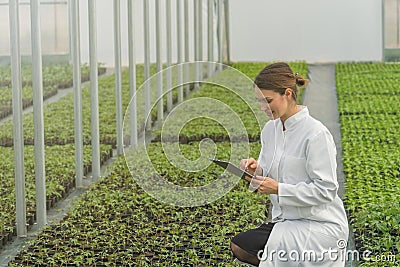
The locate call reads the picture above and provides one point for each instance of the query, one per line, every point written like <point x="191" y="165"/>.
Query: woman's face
<point x="277" y="104"/>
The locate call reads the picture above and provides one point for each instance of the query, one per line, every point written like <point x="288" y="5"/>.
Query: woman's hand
<point x="265" y="185"/>
<point x="250" y="165"/>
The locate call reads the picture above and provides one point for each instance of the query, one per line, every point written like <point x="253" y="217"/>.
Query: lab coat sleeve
<point x="261" y="159"/>
<point x="269" y="131"/>
<point x="321" y="169"/>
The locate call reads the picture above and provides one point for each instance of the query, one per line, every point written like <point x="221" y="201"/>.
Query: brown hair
<point x="277" y="77"/>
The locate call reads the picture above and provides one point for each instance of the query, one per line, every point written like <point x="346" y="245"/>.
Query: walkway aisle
<point x="321" y="99"/>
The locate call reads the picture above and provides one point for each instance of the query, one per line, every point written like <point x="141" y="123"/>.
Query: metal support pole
<point x="160" y="106"/>
<point x="210" y="12"/>
<point x="179" y="52"/>
<point x="196" y="42"/>
<point x="200" y="38"/>
<point x="76" y="63"/>
<point x="227" y="31"/>
<point x="220" y="35"/>
<point x="187" y="54"/>
<point x="146" y="63"/>
<point x="169" y="56"/>
<point x="37" y="86"/>
<point x="397" y="24"/>
<point x="94" y="98"/>
<point x="17" y="119"/>
<point x="383" y="30"/>
<point x="132" y="76"/>
<point x="70" y="8"/>
<point x="118" y="76"/>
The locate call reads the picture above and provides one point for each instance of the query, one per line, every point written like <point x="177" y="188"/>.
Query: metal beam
<point x="169" y="55"/>
<point x="196" y="42"/>
<point x="179" y="47"/>
<point x="146" y="39"/>
<point x="94" y="97"/>
<point x="227" y="31"/>
<point x="210" y="12"/>
<point x="187" y="46"/>
<point x="17" y="119"/>
<point x="220" y="35"/>
<point x="118" y="76"/>
<point x="200" y="39"/>
<point x="160" y="105"/>
<point x="37" y="86"/>
<point x="76" y="65"/>
<point x="132" y="76"/>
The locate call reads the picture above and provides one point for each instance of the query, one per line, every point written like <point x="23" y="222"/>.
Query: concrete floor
<point x="321" y="99"/>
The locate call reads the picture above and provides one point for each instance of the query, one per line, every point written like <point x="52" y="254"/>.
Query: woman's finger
<point x="243" y="163"/>
<point x="250" y="163"/>
<point x="260" y="178"/>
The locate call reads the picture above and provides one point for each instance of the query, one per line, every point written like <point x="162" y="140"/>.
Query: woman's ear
<point x="288" y="92"/>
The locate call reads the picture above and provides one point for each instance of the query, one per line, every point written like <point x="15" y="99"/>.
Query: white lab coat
<point x="308" y="213"/>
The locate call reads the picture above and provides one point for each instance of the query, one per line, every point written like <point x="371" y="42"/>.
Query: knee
<point x="235" y="248"/>
<point x="243" y="255"/>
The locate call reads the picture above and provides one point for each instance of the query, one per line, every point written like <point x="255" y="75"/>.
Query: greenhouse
<point x="199" y="133"/>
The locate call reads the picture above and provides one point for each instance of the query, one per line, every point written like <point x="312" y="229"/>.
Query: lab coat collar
<point x="296" y="118"/>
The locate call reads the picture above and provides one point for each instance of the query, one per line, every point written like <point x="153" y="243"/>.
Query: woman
<point x="297" y="168"/>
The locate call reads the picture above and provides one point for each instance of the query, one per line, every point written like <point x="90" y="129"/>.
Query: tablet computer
<point x="232" y="168"/>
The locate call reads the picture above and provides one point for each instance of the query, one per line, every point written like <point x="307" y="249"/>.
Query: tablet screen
<point x="230" y="167"/>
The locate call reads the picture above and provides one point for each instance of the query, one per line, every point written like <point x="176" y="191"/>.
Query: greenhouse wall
<point x="310" y="30"/>
<point x="54" y="30"/>
<point x="266" y="30"/>
<point x="261" y="30"/>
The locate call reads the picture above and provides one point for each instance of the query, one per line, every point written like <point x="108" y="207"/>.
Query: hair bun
<point x="300" y="81"/>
